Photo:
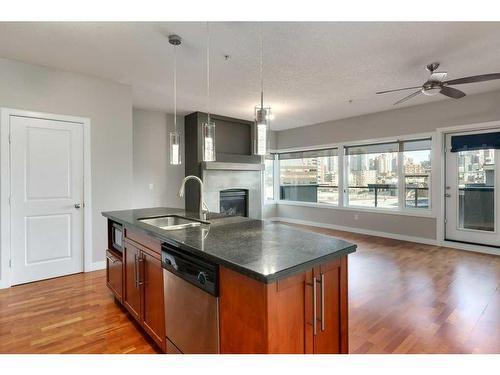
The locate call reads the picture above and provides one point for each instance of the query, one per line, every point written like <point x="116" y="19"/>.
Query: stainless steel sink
<point x="171" y="222"/>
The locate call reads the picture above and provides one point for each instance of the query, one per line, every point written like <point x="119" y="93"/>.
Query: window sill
<point x="423" y="213"/>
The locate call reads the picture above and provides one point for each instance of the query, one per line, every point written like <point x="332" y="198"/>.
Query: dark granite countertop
<point x="261" y="249"/>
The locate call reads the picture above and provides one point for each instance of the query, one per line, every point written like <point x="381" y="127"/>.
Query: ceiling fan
<point x="436" y="84"/>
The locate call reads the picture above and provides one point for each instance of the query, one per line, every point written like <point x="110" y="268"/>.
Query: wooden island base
<point x="278" y="317"/>
<point x="254" y="317"/>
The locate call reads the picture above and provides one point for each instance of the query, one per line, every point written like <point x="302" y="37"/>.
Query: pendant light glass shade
<point x="208" y="130"/>
<point x="175" y="148"/>
<point x="175" y="137"/>
<point x="262" y="115"/>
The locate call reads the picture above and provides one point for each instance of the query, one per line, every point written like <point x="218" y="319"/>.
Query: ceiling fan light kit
<point x="436" y="84"/>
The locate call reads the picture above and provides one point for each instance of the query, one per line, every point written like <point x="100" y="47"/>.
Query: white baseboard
<point x="98" y="266"/>
<point x="426" y="241"/>
<point x="470" y="247"/>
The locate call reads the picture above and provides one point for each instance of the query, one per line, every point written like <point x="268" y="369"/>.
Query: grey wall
<point x="151" y="160"/>
<point x="109" y="107"/>
<point x="410" y="120"/>
<point x="422" y="227"/>
<point x="398" y="122"/>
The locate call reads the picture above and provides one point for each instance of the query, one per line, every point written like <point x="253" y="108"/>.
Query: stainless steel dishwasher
<point x="191" y="303"/>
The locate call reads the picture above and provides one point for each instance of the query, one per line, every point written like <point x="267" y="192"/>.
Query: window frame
<point x="264" y="198"/>
<point x="344" y="175"/>
<point x="430" y="208"/>
<point x="277" y="169"/>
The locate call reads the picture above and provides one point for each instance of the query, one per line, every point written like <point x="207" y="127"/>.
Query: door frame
<point x="5" y="187"/>
<point x="441" y="149"/>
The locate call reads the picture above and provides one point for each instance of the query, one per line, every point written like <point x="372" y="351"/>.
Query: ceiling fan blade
<point x="438" y="76"/>
<point x="406" y="88"/>
<point x="451" y="92"/>
<point x="408" y="97"/>
<point x="472" y="79"/>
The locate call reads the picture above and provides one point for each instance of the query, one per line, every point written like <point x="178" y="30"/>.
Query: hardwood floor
<point x="412" y="298"/>
<point x="71" y="314"/>
<point x="403" y="298"/>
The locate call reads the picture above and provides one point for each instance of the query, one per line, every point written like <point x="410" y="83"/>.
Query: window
<point x="310" y="176"/>
<point x="417" y="173"/>
<point x="373" y="175"/>
<point x="269" y="177"/>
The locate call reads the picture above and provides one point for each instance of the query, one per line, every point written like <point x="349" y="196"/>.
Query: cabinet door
<point x="114" y="274"/>
<point x="132" y="289"/>
<point x="151" y="279"/>
<point x="328" y="333"/>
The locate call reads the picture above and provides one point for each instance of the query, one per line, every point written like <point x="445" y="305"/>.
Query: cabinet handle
<point x="140" y="259"/>
<point x="111" y="259"/>
<point x="322" y="302"/>
<point x="135" y="271"/>
<point x="315" y="324"/>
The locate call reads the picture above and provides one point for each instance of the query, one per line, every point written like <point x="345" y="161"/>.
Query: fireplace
<point x="234" y="202"/>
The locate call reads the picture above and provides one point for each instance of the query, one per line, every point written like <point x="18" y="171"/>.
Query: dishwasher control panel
<point x="199" y="272"/>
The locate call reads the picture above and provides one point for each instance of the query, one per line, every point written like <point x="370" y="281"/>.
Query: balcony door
<point x="472" y="188"/>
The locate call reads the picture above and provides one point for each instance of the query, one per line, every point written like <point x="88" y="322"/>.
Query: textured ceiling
<point x="312" y="70"/>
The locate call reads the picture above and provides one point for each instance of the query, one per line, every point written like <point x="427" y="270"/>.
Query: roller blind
<point x="372" y="149"/>
<point x="270" y="156"/>
<point x="472" y="142"/>
<point x="417" y="145"/>
<point x="309" y="154"/>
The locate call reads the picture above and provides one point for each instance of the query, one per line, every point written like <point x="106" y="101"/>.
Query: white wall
<point x="109" y="107"/>
<point x="399" y="122"/>
<point x="151" y="160"/>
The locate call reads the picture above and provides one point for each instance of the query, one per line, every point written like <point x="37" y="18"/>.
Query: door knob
<point x="78" y="205"/>
<point x="447" y="195"/>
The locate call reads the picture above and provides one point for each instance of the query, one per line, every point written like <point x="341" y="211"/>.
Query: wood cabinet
<point x="132" y="289"/>
<point x="143" y="294"/>
<point x="324" y="305"/>
<point x="279" y="317"/>
<point x="153" y="316"/>
<point x="114" y="274"/>
<point x="136" y="279"/>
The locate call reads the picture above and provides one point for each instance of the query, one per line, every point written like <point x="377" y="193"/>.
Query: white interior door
<point x="46" y="198"/>
<point x="472" y="195"/>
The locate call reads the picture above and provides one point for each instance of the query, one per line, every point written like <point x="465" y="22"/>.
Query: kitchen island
<point x="280" y="289"/>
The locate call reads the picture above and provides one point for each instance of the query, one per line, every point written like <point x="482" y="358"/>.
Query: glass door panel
<point x="476" y="190"/>
<point x="471" y="195"/>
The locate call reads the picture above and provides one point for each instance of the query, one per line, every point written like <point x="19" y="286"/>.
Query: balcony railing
<point x="417" y="197"/>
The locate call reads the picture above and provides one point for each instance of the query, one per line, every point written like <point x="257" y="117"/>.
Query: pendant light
<point x="175" y="137"/>
<point x="208" y="127"/>
<point x="262" y="114"/>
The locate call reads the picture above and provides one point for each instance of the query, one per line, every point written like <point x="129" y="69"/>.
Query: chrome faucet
<point x="203" y="206"/>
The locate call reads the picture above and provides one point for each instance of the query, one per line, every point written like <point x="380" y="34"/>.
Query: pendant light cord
<point x="208" y="74"/>
<point x="261" y="67"/>
<point x="175" y="89"/>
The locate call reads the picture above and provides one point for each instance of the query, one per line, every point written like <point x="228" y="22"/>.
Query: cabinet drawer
<point x="114" y="274"/>
<point x="144" y="240"/>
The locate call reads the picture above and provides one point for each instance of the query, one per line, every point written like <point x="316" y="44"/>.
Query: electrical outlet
<point x="356" y="216"/>
<point x="151" y="186"/>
